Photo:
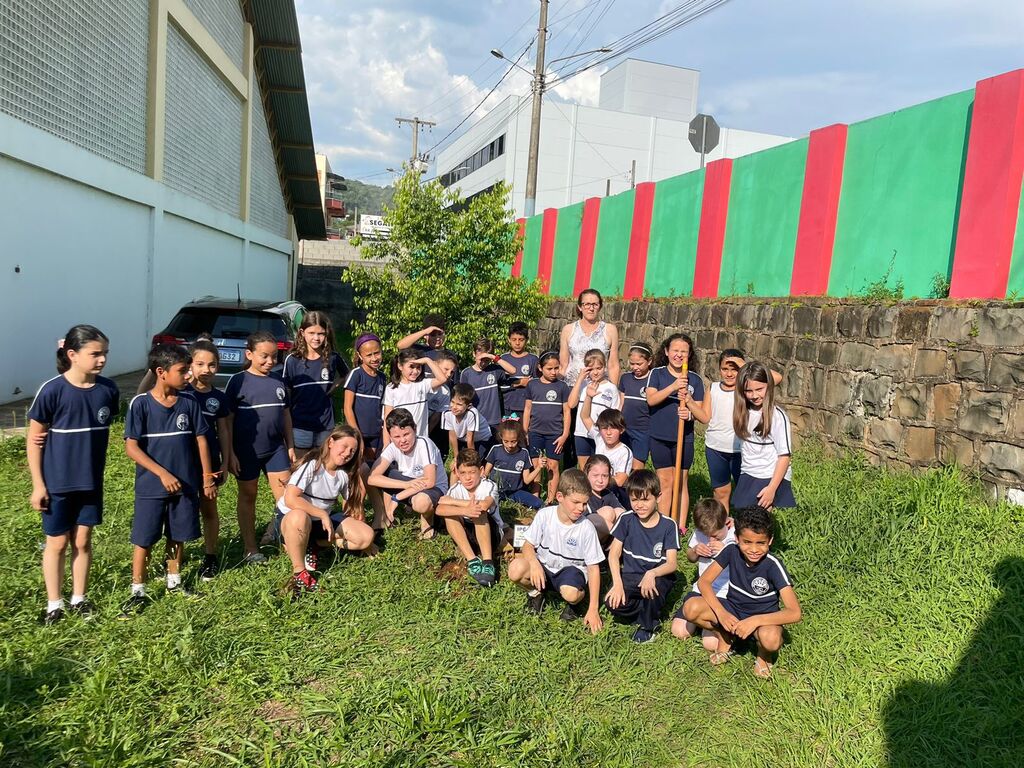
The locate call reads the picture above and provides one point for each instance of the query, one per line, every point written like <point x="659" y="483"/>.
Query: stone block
<point x="725" y="339"/>
<point x="969" y="365"/>
<point x="700" y="317"/>
<point x="683" y="313"/>
<point x="1003" y="460"/>
<point x="885" y="434"/>
<point x="946" y="403"/>
<point x="807" y="350"/>
<point x="793" y="383"/>
<point x="919" y="444"/>
<point x="858" y="356"/>
<point x="894" y="358"/>
<point x="814" y="389"/>
<point x="881" y="322"/>
<point x="853" y="428"/>
<point x="875" y="394"/>
<point x="955" y="449"/>
<point x="783" y="349"/>
<point x="775" y="319"/>
<point x="743" y="315"/>
<point x="831" y="424"/>
<point x="827" y="322"/>
<point x="704" y="340"/>
<point x="953" y="324"/>
<point x="1015" y="427"/>
<point x="850" y="322"/>
<point x="1001" y="326"/>
<point x="806" y="320"/>
<point x="719" y="316"/>
<point x="930" y="363"/>
<point x="803" y="421"/>
<point x="912" y="323"/>
<point x="1007" y="369"/>
<point x="838" y="390"/>
<point x="828" y="352"/>
<point x="986" y="413"/>
<point x="910" y="402"/>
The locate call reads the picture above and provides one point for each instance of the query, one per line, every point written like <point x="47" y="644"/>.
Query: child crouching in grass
<point x="642" y="558"/>
<point x="562" y="554"/>
<point x="470" y="513"/>
<point x="757" y="581"/>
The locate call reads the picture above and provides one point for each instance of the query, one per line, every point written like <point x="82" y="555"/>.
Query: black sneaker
<point x="475" y="567"/>
<point x="84" y="610"/>
<point x="569" y="613"/>
<point x="642" y="636"/>
<point x="49" y="618"/>
<point x="133" y="606"/>
<point x="490" y="574"/>
<point x="535" y="604"/>
<point x="210" y="568"/>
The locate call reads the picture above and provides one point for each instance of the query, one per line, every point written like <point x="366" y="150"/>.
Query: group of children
<point x="505" y="420"/>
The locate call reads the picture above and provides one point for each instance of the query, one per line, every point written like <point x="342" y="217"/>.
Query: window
<point x="474" y="162"/>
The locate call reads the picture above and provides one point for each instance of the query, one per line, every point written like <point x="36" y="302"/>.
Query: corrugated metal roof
<point x="279" y="68"/>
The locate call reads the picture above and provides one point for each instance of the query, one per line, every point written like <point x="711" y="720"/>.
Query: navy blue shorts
<point x="544" y="444"/>
<point x="567" y="577"/>
<point x="663" y="454"/>
<point x="584" y="446"/>
<point x="730" y="607"/>
<point x="176" y="517"/>
<point x="250" y="465"/>
<point x="307" y="438"/>
<point x="689" y="596"/>
<point x="748" y="487"/>
<point x="640" y="445"/>
<point x="374" y="443"/>
<point x="67" y="510"/>
<point x="434" y="493"/>
<point x="724" y="468"/>
<point x="523" y="497"/>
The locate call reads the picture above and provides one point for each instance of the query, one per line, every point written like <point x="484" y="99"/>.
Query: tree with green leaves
<point x="449" y="257"/>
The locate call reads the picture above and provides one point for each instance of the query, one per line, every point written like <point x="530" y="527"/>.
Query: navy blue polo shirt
<point x="634" y="402"/>
<point x="546" y="401"/>
<point x="486" y="383"/>
<point x="309" y="382"/>
<point x="259" y="403"/>
<point x="645" y="548"/>
<point x="369" y="402"/>
<point x="434" y="354"/>
<point x="665" y="415"/>
<point x="214" y="405"/>
<point x="78" y="418"/>
<point x="753" y="589"/>
<point x="607" y="499"/>
<point x="526" y="366"/>
<point x="508" y="467"/>
<point x="168" y="437"/>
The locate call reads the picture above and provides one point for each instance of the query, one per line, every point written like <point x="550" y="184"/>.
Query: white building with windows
<point x="151" y="151"/>
<point x="642" y="117"/>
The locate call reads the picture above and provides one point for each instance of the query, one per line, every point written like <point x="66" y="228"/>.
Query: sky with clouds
<point x="777" y="66"/>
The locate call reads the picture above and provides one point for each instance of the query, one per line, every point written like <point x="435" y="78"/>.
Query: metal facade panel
<point x="224" y="21"/>
<point x="266" y="202"/>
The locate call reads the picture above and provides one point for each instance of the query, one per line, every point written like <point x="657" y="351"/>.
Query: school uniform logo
<point x="658" y="548"/>
<point x="520" y="465"/>
<point x="551" y="395"/>
<point x="525" y="370"/>
<point x="380" y="390"/>
<point x="417" y="470"/>
<point x="572" y="542"/>
<point x="490" y="378"/>
<point x="182" y="421"/>
<point x="211" y="406"/>
<point x="325" y="374"/>
<point x="103" y="415"/>
<point x="280" y="394"/>
<point x="760" y="585"/>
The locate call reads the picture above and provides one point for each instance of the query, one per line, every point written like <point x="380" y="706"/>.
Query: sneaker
<point x="254" y="558"/>
<point x="210" y="568"/>
<point x="642" y="636"/>
<point x="490" y="573"/>
<point x="181" y="591"/>
<point x="84" y="610"/>
<point x="133" y="606"/>
<point x="476" y="570"/>
<point x="49" y="618"/>
<point x="312" y="559"/>
<point x="569" y="613"/>
<point x="304" y="582"/>
<point x="535" y="604"/>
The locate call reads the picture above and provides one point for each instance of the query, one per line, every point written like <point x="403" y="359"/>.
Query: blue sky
<point x="783" y="67"/>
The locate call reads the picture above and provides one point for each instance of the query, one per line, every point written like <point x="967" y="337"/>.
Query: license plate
<point x="231" y="355"/>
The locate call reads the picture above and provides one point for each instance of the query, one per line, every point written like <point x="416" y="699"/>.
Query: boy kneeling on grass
<point x="757" y="581"/>
<point x="470" y="513"/>
<point x="562" y="554"/>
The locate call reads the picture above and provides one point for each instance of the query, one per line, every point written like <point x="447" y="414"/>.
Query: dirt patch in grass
<point x="451" y="570"/>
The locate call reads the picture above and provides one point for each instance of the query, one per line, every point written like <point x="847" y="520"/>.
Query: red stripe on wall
<point x="547" y="248"/>
<point x="517" y="265"/>
<point x="819" y="209"/>
<point x="588" y="239"/>
<point x="639" y="238"/>
<point x="714" y="211"/>
<point x="992" y="188"/>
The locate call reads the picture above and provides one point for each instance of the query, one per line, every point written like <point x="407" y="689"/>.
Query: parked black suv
<point x="230" y="321"/>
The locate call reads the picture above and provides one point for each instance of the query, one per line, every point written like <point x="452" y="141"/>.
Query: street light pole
<point x="538" y="94"/>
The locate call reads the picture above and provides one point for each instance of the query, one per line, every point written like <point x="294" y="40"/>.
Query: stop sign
<point x="704" y="133"/>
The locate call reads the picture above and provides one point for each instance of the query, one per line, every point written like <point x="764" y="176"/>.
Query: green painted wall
<point x="531" y="247"/>
<point x="611" y="250"/>
<point x="1015" y="285"/>
<point x="764" y="213"/>
<point x="567" y="248"/>
<point x="675" y="224"/>
<point x="900" y="195"/>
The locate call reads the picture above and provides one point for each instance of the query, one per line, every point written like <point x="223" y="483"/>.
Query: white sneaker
<point x="254" y="558"/>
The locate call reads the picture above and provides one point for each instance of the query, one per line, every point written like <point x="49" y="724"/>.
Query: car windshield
<point x="226" y="323"/>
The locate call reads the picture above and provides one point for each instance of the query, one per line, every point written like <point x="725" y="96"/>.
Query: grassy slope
<point x="395" y="666"/>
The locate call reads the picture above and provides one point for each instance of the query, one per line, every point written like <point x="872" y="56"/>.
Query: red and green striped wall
<point x="926" y="195"/>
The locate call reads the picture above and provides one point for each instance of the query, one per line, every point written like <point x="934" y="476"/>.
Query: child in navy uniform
<point x="165" y="435"/>
<point x="546" y="418"/>
<point x="510" y="465"/>
<point x="312" y="371"/>
<point x="470" y="514"/>
<point x="642" y="559"/>
<point x="757" y="582"/>
<point x="604" y="506"/>
<point x="440" y="400"/>
<point x="364" y="395"/>
<point x="261" y="434"/>
<point x="525" y="363"/>
<point x="562" y="555"/>
<point x="214" y="405"/>
<point x="69" y="426"/>
<point x="428" y="342"/>
<point x="486" y="375"/>
<point x="633" y="386"/>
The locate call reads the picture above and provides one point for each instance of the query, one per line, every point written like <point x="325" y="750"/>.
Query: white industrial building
<point x="151" y="152"/>
<point x="643" y="116"/>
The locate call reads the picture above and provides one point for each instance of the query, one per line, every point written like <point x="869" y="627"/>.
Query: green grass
<point x="910" y="653"/>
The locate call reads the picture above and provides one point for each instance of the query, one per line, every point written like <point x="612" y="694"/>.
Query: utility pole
<point x="538" y="94"/>
<point x="416" y="125"/>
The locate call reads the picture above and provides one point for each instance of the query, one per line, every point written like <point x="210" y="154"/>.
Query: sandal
<point x="718" y="658"/>
<point x="426" y="534"/>
<point x="762" y="669"/>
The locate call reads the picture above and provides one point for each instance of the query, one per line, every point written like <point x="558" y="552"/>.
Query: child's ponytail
<point x="74" y="340"/>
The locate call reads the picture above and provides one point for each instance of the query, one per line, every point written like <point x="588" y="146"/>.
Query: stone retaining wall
<point x="912" y="383"/>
